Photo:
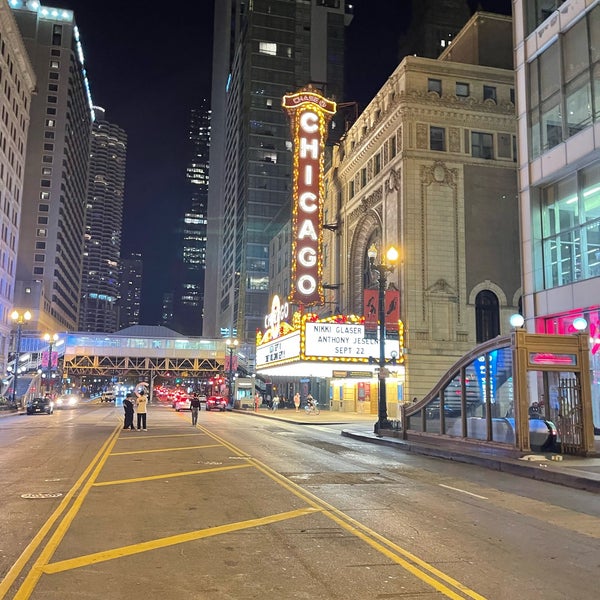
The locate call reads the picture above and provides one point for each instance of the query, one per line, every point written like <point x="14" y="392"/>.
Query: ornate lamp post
<point x="19" y="319"/>
<point x="382" y="270"/>
<point x="231" y="346"/>
<point x="50" y="339"/>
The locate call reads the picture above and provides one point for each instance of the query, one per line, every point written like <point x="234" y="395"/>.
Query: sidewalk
<point x="570" y="471"/>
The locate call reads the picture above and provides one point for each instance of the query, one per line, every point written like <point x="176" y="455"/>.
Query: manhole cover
<point x="41" y="495"/>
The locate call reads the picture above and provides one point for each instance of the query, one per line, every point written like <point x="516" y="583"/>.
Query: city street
<point x="244" y="508"/>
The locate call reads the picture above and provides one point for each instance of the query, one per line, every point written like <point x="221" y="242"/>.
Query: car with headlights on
<point x="216" y="403"/>
<point x="40" y="405"/>
<point x="67" y="401"/>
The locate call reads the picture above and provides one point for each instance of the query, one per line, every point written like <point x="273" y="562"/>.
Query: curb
<point x="547" y="472"/>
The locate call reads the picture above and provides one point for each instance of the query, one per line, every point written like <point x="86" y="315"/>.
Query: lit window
<point x="269" y="48"/>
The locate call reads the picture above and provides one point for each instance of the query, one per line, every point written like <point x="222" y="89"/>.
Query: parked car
<point x="183" y="403"/>
<point x="67" y="401"/>
<point x="40" y="405"/>
<point x="216" y="402"/>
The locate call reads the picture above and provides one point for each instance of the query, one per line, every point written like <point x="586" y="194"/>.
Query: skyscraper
<point x="132" y="269"/>
<point x="18" y="82"/>
<point x="100" y="277"/>
<point x="49" y="260"/>
<point x="189" y="299"/>
<point x="261" y="51"/>
<point x="434" y="25"/>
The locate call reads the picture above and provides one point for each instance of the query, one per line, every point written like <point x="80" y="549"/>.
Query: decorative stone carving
<point x="367" y="203"/>
<point x="393" y="181"/>
<point x="422" y="136"/>
<point x="454" y="139"/>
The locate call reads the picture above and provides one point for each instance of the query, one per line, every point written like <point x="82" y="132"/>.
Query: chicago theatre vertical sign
<point x="309" y="115"/>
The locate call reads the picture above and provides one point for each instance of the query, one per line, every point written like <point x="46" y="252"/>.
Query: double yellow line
<point x="441" y="582"/>
<point x="84" y="483"/>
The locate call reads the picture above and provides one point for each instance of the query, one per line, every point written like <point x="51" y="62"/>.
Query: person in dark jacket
<point x="128" y="408"/>
<point x="195" y="406"/>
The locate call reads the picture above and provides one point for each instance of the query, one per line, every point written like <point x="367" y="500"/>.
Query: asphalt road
<point x="244" y="508"/>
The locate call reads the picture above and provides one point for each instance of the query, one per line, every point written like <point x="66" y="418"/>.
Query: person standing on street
<point x="128" y="408"/>
<point x="297" y="401"/>
<point x="141" y="407"/>
<point x="195" y="406"/>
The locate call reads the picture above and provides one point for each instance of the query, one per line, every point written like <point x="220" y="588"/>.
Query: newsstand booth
<point x="331" y="359"/>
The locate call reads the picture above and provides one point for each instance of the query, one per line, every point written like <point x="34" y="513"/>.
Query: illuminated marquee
<point x="309" y="114"/>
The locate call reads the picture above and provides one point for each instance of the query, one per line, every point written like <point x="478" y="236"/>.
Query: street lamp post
<point x="50" y="339"/>
<point x="382" y="270"/>
<point x="19" y="319"/>
<point x="231" y="346"/>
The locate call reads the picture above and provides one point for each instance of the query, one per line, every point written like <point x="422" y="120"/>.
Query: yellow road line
<point x="165" y="450"/>
<point x="171" y="475"/>
<point x="90" y="559"/>
<point x="43" y="559"/>
<point x="26" y="555"/>
<point x="418" y="567"/>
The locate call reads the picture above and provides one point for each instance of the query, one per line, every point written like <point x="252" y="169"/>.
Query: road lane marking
<point x="421" y="569"/>
<point x="90" y="559"/>
<point x="85" y="483"/>
<point x="449" y="487"/>
<point x="26" y="555"/>
<point x="169" y="475"/>
<point x="165" y="450"/>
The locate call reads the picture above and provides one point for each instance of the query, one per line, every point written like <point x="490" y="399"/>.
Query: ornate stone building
<point x="430" y="167"/>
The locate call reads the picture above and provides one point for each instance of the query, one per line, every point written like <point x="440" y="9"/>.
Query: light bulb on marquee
<point x="309" y="114"/>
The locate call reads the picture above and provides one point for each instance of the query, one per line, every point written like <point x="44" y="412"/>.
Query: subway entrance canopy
<point x="142" y="350"/>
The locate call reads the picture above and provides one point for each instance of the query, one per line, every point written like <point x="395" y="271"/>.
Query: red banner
<point x="392" y="311"/>
<point x="371" y="312"/>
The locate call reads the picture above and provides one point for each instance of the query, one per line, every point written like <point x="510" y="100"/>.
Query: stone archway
<point x="368" y="230"/>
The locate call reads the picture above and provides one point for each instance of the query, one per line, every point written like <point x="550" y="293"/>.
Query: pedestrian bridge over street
<point x="142" y="351"/>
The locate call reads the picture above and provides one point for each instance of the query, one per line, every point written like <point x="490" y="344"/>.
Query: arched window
<point x="487" y="316"/>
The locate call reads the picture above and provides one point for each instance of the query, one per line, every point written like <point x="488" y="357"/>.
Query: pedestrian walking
<point x="275" y="402"/>
<point x="195" y="406"/>
<point x="141" y="408"/>
<point x="128" y="409"/>
<point x="257" y="401"/>
<point x="297" y="401"/>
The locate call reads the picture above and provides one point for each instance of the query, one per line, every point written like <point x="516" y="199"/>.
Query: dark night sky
<point x="149" y="63"/>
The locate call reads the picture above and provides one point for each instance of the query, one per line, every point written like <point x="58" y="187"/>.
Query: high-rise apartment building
<point x="17" y="82"/>
<point x="132" y="269"/>
<point x="189" y="300"/>
<point x="558" y="91"/>
<point x="262" y="51"/>
<point x="50" y="252"/>
<point x="100" y="278"/>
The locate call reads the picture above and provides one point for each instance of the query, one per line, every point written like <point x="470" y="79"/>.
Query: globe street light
<point x="231" y="346"/>
<point x="382" y="270"/>
<point x="50" y="339"/>
<point x="19" y="319"/>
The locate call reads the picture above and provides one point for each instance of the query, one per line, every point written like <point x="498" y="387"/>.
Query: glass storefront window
<point x="590" y="187"/>
<point x="571" y="228"/>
